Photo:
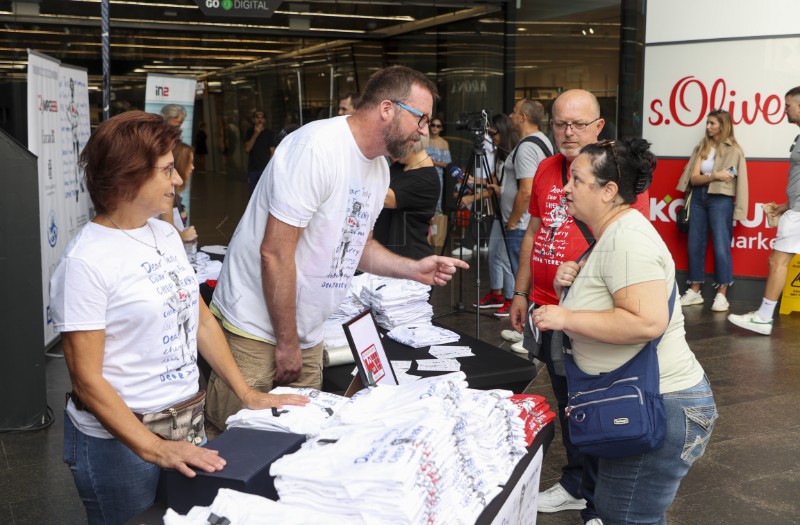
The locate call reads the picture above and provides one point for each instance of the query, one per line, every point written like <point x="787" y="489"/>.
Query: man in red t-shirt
<point x="552" y="238"/>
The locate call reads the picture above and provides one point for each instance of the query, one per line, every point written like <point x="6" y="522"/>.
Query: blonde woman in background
<point x="717" y="176"/>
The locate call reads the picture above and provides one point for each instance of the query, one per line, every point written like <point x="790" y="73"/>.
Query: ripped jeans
<point x="639" y="489"/>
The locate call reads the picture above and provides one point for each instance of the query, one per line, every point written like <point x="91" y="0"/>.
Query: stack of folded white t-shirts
<point x="205" y="268"/>
<point x="351" y="306"/>
<point x="308" y="419"/>
<point x="496" y="433"/>
<point x="407" y="454"/>
<point x="422" y="334"/>
<point x="247" y="509"/>
<point x="397" y="301"/>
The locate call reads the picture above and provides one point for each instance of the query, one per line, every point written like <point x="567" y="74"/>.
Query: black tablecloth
<point x="490" y="368"/>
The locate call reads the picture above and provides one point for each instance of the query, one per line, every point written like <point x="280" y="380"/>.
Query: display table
<point x="489" y="368"/>
<point x="517" y="496"/>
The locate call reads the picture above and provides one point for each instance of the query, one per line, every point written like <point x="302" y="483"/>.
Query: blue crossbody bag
<point x="618" y="413"/>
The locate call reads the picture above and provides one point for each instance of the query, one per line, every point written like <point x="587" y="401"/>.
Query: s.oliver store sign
<point x="687" y="78"/>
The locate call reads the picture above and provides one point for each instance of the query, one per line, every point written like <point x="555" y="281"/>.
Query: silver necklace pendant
<point x="153" y="233"/>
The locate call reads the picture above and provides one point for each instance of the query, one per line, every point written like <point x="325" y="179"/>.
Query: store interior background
<point x="482" y="55"/>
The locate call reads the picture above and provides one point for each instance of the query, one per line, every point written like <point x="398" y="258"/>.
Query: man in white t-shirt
<point x="308" y="228"/>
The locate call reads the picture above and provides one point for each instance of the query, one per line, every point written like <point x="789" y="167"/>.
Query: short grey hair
<point x="173" y="111"/>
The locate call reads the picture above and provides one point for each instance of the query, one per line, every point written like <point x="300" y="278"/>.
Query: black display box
<point x="249" y="454"/>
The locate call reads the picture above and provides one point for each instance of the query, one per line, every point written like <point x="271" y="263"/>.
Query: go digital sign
<point x="239" y="8"/>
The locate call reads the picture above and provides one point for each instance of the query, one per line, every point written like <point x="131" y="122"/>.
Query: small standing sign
<point x="365" y="342"/>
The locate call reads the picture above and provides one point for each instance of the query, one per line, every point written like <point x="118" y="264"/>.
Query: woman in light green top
<point x="618" y="300"/>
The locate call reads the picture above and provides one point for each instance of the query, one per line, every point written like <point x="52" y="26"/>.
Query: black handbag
<point x="682" y="216"/>
<point x="619" y="413"/>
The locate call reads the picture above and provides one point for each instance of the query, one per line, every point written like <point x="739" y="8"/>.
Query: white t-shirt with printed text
<point x="146" y="304"/>
<point x="320" y="181"/>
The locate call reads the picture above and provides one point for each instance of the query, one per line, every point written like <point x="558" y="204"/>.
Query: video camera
<point x="475" y="121"/>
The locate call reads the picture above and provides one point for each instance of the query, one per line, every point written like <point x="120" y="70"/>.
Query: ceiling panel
<point x="175" y="37"/>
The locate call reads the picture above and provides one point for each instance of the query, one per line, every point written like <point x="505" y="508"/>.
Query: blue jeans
<point x="640" y="489"/>
<point x="514" y="243"/>
<point x="500" y="275"/>
<point x="714" y="211"/>
<point x="114" y="483"/>
<point x="579" y="475"/>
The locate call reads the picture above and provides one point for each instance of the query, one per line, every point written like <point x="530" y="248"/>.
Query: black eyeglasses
<point x="493" y="132"/>
<point x="612" y="145"/>
<point x="434" y="125"/>
<point x="576" y="127"/>
<point x="424" y="119"/>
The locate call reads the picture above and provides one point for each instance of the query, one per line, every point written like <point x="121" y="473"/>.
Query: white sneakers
<point x="511" y="335"/>
<point x="720" y="303"/>
<point x="753" y="322"/>
<point x="518" y="348"/>
<point x="556" y="499"/>
<point x="515" y="337"/>
<point x="690" y="297"/>
<point x="595" y="521"/>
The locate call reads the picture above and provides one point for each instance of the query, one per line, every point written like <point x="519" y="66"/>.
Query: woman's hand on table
<point x="182" y="456"/>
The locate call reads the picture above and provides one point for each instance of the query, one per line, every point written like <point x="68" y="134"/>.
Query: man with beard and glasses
<point x="308" y="228"/>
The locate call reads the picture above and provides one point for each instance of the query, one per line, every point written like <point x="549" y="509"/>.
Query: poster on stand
<point x="58" y="128"/>
<point x="73" y="96"/>
<point x="163" y="90"/>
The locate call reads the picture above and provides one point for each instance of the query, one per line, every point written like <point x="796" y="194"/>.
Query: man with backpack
<point x="518" y="172"/>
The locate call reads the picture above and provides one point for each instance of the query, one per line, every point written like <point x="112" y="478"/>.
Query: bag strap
<point x="655" y="341"/>
<point x="536" y="140"/>
<point x="672" y="301"/>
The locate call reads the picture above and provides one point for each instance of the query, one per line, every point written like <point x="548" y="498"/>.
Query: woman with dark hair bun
<point x="618" y="300"/>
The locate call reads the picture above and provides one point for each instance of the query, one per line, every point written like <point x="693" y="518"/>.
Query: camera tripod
<point x="478" y="168"/>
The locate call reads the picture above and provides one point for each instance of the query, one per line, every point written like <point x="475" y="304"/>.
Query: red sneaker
<point x="503" y="311"/>
<point x="491" y="300"/>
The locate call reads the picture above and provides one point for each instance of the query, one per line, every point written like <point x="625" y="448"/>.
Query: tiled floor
<point x="749" y="475"/>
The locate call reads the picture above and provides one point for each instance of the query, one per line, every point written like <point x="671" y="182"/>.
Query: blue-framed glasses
<point x="424" y="119"/>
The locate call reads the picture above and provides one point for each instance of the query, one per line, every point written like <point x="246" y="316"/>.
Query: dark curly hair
<point x="121" y="155"/>
<point x="628" y="162"/>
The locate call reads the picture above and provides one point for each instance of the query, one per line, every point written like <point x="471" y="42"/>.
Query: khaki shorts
<point x="256" y="360"/>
